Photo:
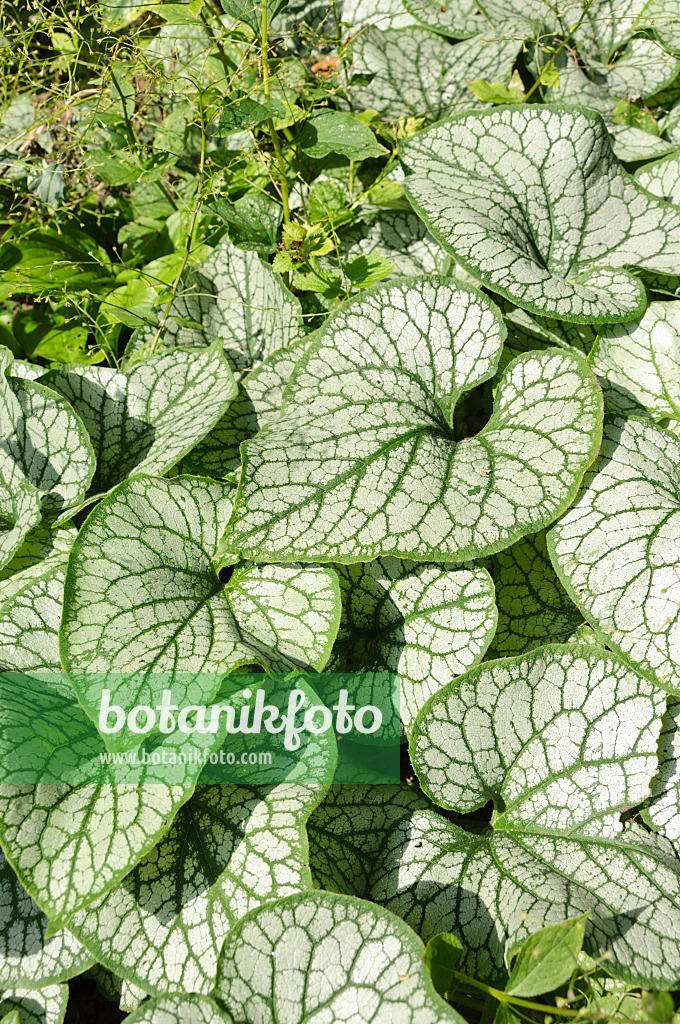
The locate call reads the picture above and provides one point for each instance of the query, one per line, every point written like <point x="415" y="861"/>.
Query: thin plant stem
<point x="155" y="341"/>
<point x="283" y="184"/>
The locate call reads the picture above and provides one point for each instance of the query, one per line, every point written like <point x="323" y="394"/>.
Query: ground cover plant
<point x="341" y="339"/>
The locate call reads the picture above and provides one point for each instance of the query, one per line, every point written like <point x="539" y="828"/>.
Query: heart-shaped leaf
<point x="425" y="622"/>
<point x="532" y="201"/>
<point x="466" y="18"/>
<point x="562" y="740"/>
<point x="145" y="420"/>
<point x="321" y="953"/>
<point x="639" y="364"/>
<point x="615" y="550"/>
<point x="230" y="849"/>
<point x="143" y="598"/>
<point x="533" y="607"/>
<point x="75" y="832"/>
<point x="396" y="360"/>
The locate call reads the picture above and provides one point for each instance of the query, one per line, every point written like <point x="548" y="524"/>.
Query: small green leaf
<point x="547" y="959"/>
<point x="331" y="131"/>
<point x="442" y="954"/>
<point x="496" y="92"/>
<point x="252" y="221"/>
<point x="246" y="113"/>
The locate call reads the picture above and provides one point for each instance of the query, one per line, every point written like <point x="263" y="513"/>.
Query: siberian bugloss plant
<point x="338" y="347"/>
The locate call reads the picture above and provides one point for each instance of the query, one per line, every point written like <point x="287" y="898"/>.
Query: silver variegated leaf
<point x="146" y="419"/>
<point x="348" y="831"/>
<point x="638" y="364"/>
<point x="663" y="811"/>
<point x="258" y="402"/>
<point x="35" y="1005"/>
<point x="396" y="361"/>
<point x="662" y="178"/>
<point x="416" y="73"/>
<point x="144" y="598"/>
<point x="425" y="622"/>
<point x="615" y="550"/>
<point x="533" y="606"/>
<point x="319" y="955"/>
<point x="27" y="958"/>
<point x="533" y="202"/>
<point x="179" y="1009"/>
<point x="230" y="849"/>
<point x="234" y="298"/>
<point x="562" y="740"/>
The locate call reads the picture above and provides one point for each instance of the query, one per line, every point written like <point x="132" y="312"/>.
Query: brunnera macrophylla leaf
<point x="46" y="440"/>
<point x="364" y="461"/>
<point x="532" y="201"/>
<point x="26" y="956"/>
<point x="143" y="597"/>
<point x="426" y="622"/>
<point x="35" y="1005"/>
<point x="416" y="73"/>
<point x="72" y="836"/>
<point x="638" y="364"/>
<point x="533" y="606"/>
<point x="179" y="1009"/>
<point x="615" y="550"/>
<point x="643" y="69"/>
<point x="68" y="824"/>
<point x="324" y="956"/>
<point x="349" y="828"/>
<point x="493" y="890"/>
<point x="145" y="420"/>
<point x="606" y="26"/>
<point x="632" y="144"/>
<point x="662" y="178"/>
<point x="527" y="331"/>
<point x="662" y="813"/>
<point x="230" y="849"/>
<point x="30" y="611"/>
<point x="562" y="740"/>
<point x="663" y="17"/>
<point x="234" y="298"/>
<point x="257" y="403"/>
<point x="539" y="734"/>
